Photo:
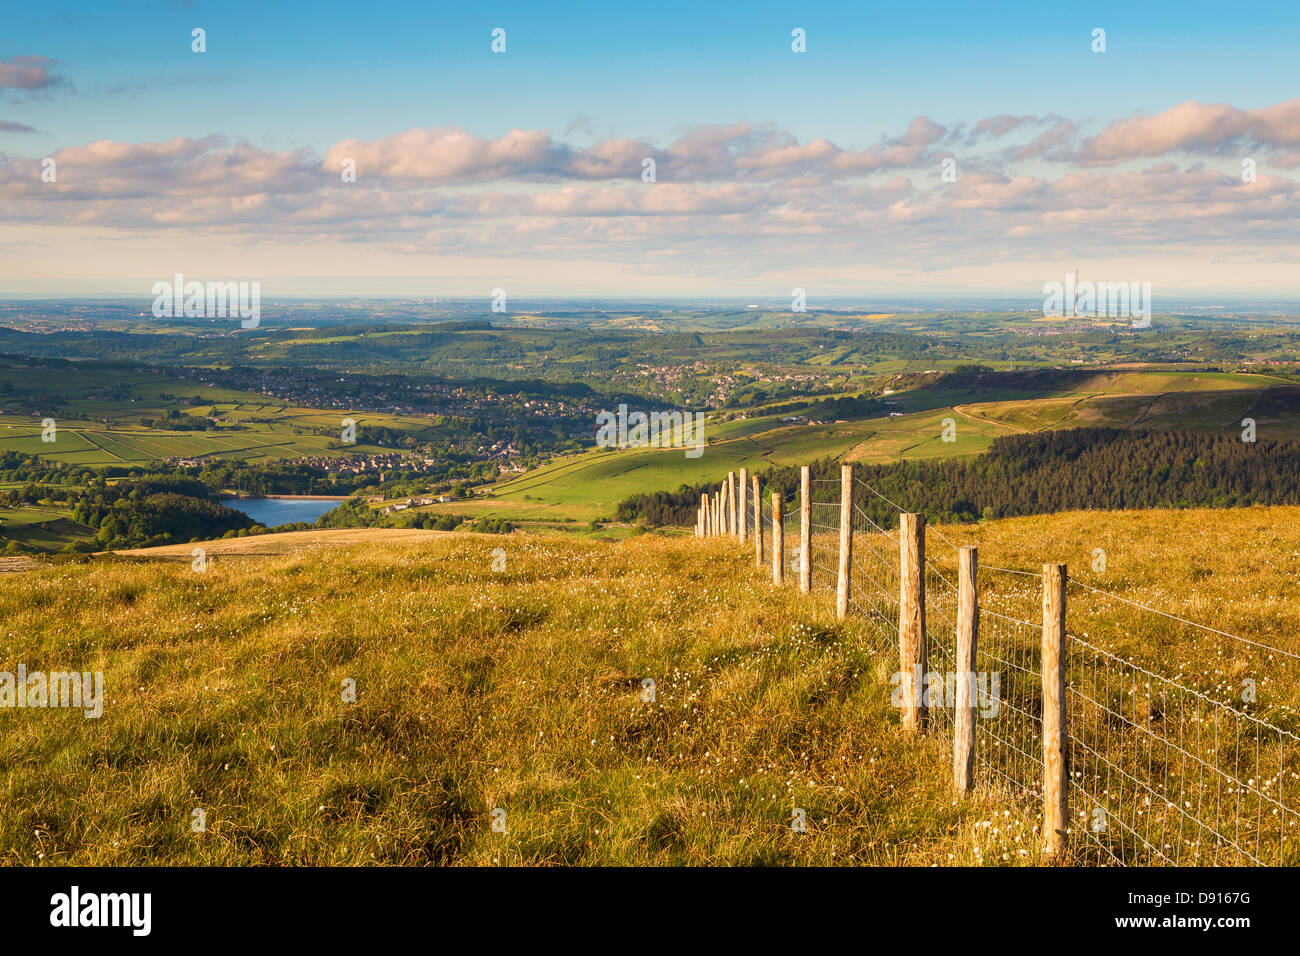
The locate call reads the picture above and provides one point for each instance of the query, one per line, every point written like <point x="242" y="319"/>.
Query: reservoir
<point x="278" y="511"/>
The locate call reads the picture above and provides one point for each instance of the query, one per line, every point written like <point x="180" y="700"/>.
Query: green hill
<point x="523" y="690"/>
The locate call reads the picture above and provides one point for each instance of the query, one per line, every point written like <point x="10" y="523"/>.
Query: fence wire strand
<point x="1160" y="769"/>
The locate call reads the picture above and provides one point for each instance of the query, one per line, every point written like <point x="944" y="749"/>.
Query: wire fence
<point x="1181" y="738"/>
<point x="1197" y="768"/>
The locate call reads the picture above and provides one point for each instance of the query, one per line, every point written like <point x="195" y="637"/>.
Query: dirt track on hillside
<point x="268" y="545"/>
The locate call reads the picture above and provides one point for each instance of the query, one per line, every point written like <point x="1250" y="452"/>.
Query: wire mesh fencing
<point x="874" y="577"/>
<point x="824" y="539"/>
<point x="1180" y="738"/>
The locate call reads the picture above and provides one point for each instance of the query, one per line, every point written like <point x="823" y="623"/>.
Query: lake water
<point x="277" y="511"/>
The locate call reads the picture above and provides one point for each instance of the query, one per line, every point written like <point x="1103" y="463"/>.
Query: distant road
<point x="961" y="410"/>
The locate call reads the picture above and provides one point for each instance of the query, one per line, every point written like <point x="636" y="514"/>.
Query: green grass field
<point x="101" y="411"/>
<point x="574" y="490"/>
<point x="41" y="527"/>
<point x="522" y="691"/>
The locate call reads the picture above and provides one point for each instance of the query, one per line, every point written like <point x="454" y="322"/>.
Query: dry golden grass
<point x="1183" y="659"/>
<point x="286" y="542"/>
<point x="521" y="690"/>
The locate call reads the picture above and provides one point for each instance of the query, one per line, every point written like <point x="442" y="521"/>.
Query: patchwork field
<point x="100" y="412"/>
<point x="572" y="491"/>
<point x="284" y="438"/>
<point x="39" y="526"/>
<point x="587" y="486"/>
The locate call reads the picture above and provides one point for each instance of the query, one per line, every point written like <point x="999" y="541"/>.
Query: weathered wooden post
<point x="968" y="623"/>
<point x="722" y="505"/>
<point x="758" y="526"/>
<point x="733" y="500"/>
<point x="708" y="519"/>
<point x="846" y="541"/>
<point x="778" y="539"/>
<point x="723" y="508"/>
<point x="727" y="485"/>
<point x="911" y="620"/>
<point x="805" y="531"/>
<point x="742" y="493"/>
<point x="713" y="513"/>
<point x="738" y="512"/>
<point x="1055" y="810"/>
<point x="729" y="504"/>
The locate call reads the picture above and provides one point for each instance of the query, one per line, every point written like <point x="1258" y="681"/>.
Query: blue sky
<point x="304" y="77"/>
<point x="309" y="73"/>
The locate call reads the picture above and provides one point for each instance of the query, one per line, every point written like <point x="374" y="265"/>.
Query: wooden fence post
<point x="731" y="503"/>
<point x="778" y="539"/>
<point x="805" y="531"/>
<point x="726" y="506"/>
<point x="721" y="506"/>
<point x="968" y="623"/>
<point x="846" y="541"/>
<point x="713" y="513"/>
<point x="737" y="509"/>
<point x="758" y="526"/>
<point x="1055" y="809"/>
<point x="742" y="493"/>
<point x="911" y="620"/>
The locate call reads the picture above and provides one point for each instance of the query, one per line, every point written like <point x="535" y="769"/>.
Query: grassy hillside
<point x="521" y="689"/>
<point x="104" y="416"/>
<point x="282" y="433"/>
<point x="589" y="485"/>
<point x="41" y="527"/>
